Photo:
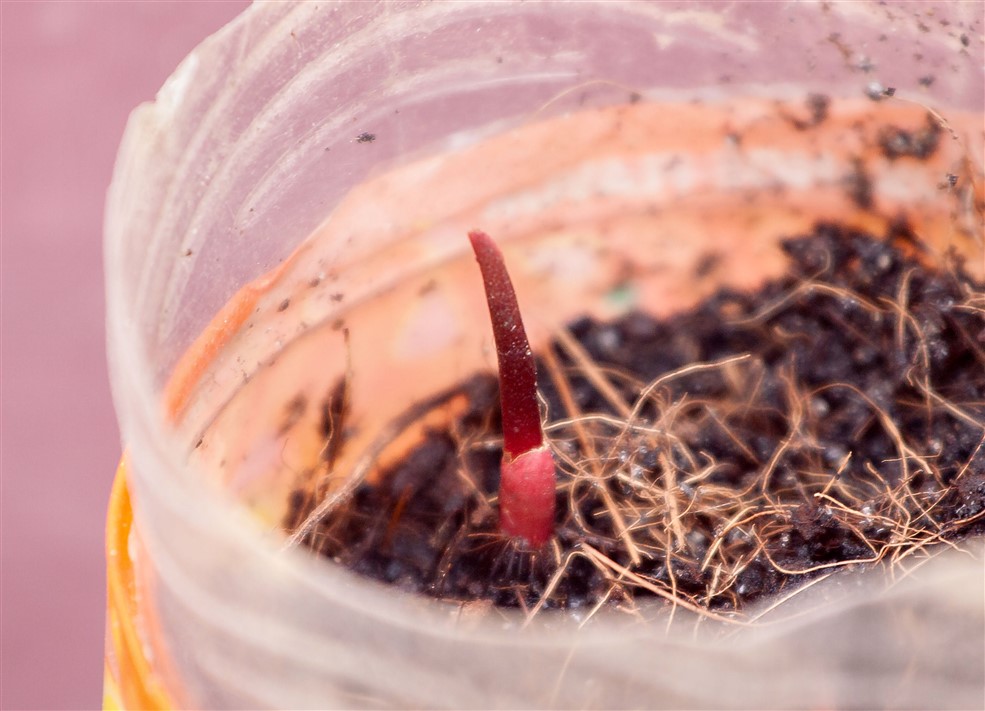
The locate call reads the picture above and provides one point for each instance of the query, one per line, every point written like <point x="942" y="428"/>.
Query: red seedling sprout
<point x="527" y="478"/>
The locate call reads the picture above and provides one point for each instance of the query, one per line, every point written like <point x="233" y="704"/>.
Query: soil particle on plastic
<point x="817" y="106"/>
<point x="920" y="144"/>
<point x="950" y="181"/>
<point x="837" y="419"/>
<point x="334" y="410"/>
<point x="858" y="185"/>
<point x="293" y="412"/>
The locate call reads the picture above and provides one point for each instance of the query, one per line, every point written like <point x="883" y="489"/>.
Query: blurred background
<point x="70" y="72"/>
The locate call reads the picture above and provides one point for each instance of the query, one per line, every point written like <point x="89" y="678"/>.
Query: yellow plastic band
<point x="129" y="681"/>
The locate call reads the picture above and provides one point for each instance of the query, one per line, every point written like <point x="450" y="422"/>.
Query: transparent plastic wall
<point x="315" y="165"/>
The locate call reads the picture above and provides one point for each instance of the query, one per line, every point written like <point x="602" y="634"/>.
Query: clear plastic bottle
<point x="310" y="172"/>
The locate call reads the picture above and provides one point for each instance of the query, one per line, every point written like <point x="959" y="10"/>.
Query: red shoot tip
<point x="517" y="373"/>
<point x="527" y="476"/>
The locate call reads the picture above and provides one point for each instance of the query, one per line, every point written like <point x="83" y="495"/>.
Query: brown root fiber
<point x="731" y="453"/>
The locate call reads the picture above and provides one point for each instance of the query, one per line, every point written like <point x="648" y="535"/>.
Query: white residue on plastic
<point x="649" y="175"/>
<point x="715" y="23"/>
<point x="171" y="96"/>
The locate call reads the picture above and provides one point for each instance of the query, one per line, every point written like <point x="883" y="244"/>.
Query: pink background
<point x="70" y="72"/>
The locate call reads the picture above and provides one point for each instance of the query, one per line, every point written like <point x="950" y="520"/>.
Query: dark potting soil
<point x="833" y="418"/>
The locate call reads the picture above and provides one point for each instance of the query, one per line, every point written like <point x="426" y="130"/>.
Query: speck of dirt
<point x="864" y="63"/>
<point x="334" y="411"/>
<point x="293" y="412"/>
<point x="877" y="92"/>
<point x="859" y="186"/>
<point x="817" y="107"/>
<point x="834" y="417"/>
<point x="707" y="264"/>
<point x="365" y="137"/>
<point x="921" y="143"/>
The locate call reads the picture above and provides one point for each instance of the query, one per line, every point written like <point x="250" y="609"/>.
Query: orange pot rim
<point x="129" y="681"/>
